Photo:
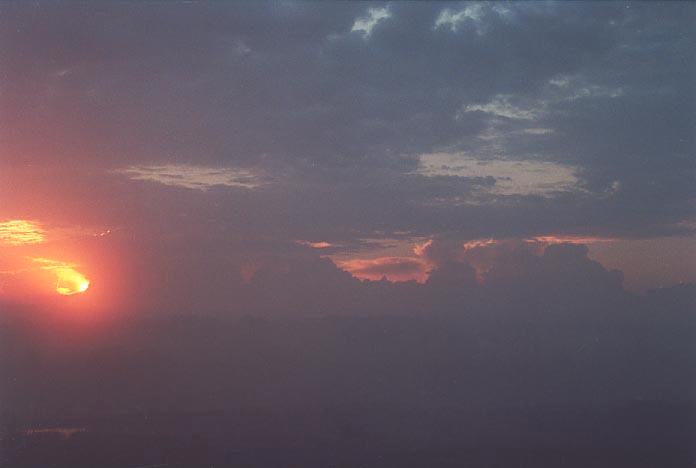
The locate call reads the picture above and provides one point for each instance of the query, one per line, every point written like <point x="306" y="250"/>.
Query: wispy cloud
<point x="192" y="177"/>
<point x="501" y="106"/>
<point x="512" y="177"/>
<point x="20" y="231"/>
<point x="366" y="24"/>
<point x="315" y="245"/>
<point x="536" y="131"/>
<point x="452" y="20"/>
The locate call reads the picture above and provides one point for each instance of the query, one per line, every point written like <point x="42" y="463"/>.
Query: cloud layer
<point x="338" y="113"/>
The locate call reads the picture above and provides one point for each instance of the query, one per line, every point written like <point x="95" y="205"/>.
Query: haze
<point x="347" y="234"/>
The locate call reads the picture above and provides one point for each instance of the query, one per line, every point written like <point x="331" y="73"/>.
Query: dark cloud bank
<point x="549" y="362"/>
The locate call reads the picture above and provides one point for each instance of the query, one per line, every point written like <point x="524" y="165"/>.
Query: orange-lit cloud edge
<point x="418" y="267"/>
<point x="395" y="269"/>
<point x="315" y="245"/>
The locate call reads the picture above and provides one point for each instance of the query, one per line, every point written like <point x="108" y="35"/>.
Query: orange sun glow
<point x="68" y="280"/>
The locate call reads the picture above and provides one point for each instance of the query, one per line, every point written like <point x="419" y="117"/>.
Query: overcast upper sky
<point x="221" y="138"/>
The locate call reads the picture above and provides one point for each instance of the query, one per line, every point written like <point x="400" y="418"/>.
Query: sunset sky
<point x="166" y="164"/>
<point x="287" y="159"/>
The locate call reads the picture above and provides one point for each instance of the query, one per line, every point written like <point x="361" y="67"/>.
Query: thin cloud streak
<point x="192" y="177"/>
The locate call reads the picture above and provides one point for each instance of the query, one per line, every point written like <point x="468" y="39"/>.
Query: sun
<point x="70" y="282"/>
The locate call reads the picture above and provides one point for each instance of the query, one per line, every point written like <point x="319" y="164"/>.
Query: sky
<point x="287" y="160"/>
<point x="353" y="131"/>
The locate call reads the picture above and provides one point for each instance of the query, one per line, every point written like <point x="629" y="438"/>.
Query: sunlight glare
<point x="68" y="280"/>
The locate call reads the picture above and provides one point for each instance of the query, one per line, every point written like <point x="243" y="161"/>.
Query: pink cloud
<point x="315" y="245"/>
<point x="392" y="268"/>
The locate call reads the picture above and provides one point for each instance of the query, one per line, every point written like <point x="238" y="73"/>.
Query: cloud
<point x="571" y="88"/>
<point x="473" y="12"/>
<point x="391" y="268"/>
<point x="568" y="239"/>
<point x="565" y="89"/>
<point x="511" y="177"/>
<point x="192" y="177"/>
<point x="533" y="272"/>
<point x="316" y="245"/>
<point x="366" y="24"/>
<point x="537" y="131"/>
<point x="500" y="106"/>
<point x="20" y="232"/>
